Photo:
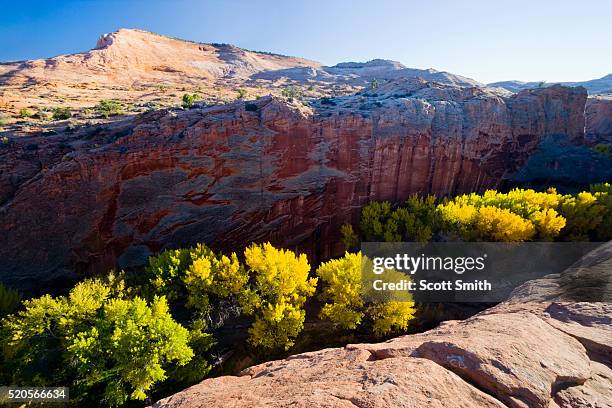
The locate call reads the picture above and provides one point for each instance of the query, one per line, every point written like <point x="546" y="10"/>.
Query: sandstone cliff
<point x="93" y="198"/>
<point x="540" y="349"/>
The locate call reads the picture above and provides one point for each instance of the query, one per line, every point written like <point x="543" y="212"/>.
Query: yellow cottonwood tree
<point x="281" y="286"/>
<point x="343" y="292"/>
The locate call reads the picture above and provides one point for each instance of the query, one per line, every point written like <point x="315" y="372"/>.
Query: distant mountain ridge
<point x="599" y="86"/>
<point x="143" y="70"/>
<point x="132" y="56"/>
<point x="360" y="73"/>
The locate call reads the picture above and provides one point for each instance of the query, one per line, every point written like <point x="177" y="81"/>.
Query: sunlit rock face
<point x="93" y="198"/>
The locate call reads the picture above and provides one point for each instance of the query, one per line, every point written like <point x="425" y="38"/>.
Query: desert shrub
<point x="242" y="93"/>
<point x="601" y="188"/>
<point x="343" y="294"/>
<point x="292" y="92"/>
<point x="24" y="113"/>
<point x="603" y="148"/>
<point x="350" y="239"/>
<point x="375" y="83"/>
<point x="280" y="288"/>
<point x="417" y="220"/>
<point x="374" y="217"/>
<point x="9" y="300"/>
<point x="585" y="214"/>
<point x="188" y="100"/>
<point x="108" y="108"/>
<point x="3" y="119"/>
<point x="61" y="113"/>
<point x="106" y="346"/>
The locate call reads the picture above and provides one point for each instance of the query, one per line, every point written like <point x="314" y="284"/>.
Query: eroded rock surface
<point x="94" y="198"/>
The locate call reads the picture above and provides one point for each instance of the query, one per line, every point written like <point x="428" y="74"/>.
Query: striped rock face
<point x="92" y="198"/>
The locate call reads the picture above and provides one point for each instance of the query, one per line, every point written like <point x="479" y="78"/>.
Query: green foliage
<point x="350" y="239"/>
<point x="24" y="113"/>
<point x="210" y="274"/>
<point x="3" y="119"/>
<point x="588" y="216"/>
<point x="108" y="108"/>
<point x="343" y="293"/>
<point x="603" y="148"/>
<point x="416" y="221"/>
<point x="242" y="93"/>
<point x="104" y="345"/>
<point x="518" y="215"/>
<point x="61" y="113"/>
<point x="196" y="274"/>
<point x="9" y="300"/>
<point x="374" y="217"/>
<point x="188" y="100"/>
<point x="292" y="92"/>
<point x="375" y="84"/>
<point x="601" y="188"/>
<point x="280" y="289"/>
<point x="167" y="270"/>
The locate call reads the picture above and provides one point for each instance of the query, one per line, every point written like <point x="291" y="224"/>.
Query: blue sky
<point x="492" y="40"/>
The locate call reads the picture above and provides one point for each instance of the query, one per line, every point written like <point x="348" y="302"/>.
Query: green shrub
<point x="242" y="93"/>
<point x="106" y="346"/>
<point x="603" y="148"/>
<point x="292" y="92"/>
<point x="601" y="188"/>
<point x="350" y="239"/>
<point x="374" y="218"/>
<point x="188" y="100"/>
<point x="9" y="300"/>
<point x="61" y="113"/>
<point x="108" y="108"/>
<point x="24" y="113"/>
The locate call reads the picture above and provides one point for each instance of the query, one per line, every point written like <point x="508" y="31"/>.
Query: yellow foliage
<point x="548" y="223"/>
<point x="502" y="225"/>
<point x="343" y="292"/>
<point x="391" y="316"/>
<point x="281" y="287"/>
